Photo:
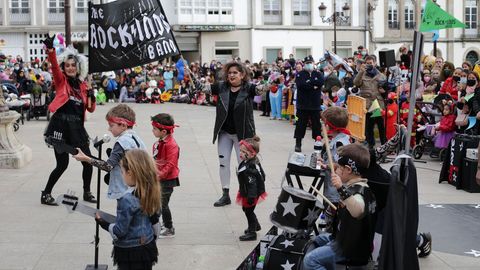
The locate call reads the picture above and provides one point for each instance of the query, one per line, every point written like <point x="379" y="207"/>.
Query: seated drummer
<point x="351" y="241"/>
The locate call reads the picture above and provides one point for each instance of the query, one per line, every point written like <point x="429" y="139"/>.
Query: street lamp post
<point x="337" y="17"/>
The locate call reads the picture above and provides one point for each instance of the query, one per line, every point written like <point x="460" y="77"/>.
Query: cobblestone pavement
<point x="34" y="236"/>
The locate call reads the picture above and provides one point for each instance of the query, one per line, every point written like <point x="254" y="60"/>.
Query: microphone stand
<point x="96" y="266"/>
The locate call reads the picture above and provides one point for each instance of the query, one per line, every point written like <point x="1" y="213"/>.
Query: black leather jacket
<point x="243" y="111"/>
<point x="251" y="179"/>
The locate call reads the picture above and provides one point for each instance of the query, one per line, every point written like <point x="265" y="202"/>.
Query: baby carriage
<point x="15" y="104"/>
<point x="39" y="101"/>
<point x="431" y="112"/>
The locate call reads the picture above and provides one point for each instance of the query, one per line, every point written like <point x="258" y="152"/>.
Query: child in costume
<point x="166" y="153"/>
<point x="251" y="182"/>
<point x="134" y="244"/>
<point x="336" y="121"/>
<point x="121" y="120"/>
<point x="446" y="127"/>
<point x="392" y="115"/>
<point x="351" y="240"/>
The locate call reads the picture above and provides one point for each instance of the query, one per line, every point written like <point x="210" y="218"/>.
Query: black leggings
<point x="251" y="217"/>
<point x="166" y="214"/>
<point x="62" y="164"/>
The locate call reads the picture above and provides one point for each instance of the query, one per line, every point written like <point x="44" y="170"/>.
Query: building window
<point x="56" y="6"/>
<point x="471" y="17"/>
<point x="301" y="53"/>
<point x="81" y="6"/>
<point x="472" y="57"/>
<point x="393" y="15"/>
<point x="272" y="12"/>
<point x="272" y="54"/>
<point x="19" y="7"/>
<point x="409" y="15"/>
<point x="301" y="12"/>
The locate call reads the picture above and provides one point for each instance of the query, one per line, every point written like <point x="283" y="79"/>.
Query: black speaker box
<point x="469" y="171"/>
<point x="387" y="58"/>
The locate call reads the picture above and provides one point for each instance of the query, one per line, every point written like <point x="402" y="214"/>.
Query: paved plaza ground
<point x="34" y="236"/>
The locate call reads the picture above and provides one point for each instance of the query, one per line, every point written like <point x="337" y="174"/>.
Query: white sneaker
<point x="167" y="233"/>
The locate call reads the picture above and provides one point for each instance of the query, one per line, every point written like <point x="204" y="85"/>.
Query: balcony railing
<point x="20" y="16"/>
<point x="56" y="15"/>
<point x="81" y="16"/>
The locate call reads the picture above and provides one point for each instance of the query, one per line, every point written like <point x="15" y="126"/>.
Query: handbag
<point x="461" y="120"/>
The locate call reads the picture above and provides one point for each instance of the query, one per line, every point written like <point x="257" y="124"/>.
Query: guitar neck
<point x="90" y="211"/>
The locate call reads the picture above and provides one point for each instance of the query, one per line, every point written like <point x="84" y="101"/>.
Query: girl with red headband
<point x="251" y="185"/>
<point x="166" y="153"/>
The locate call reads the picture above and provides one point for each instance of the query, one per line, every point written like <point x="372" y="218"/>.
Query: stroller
<point x="15" y="104"/>
<point x="432" y="113"/>
<point x="39" y="101"/>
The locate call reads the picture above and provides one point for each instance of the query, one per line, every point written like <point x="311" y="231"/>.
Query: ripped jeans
<point x="225" y="144"/>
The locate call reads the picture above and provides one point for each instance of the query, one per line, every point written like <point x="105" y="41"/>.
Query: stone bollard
<point x="13" y="153"/>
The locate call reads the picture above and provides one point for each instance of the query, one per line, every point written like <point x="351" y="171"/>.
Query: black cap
<point x="308" y="59"/>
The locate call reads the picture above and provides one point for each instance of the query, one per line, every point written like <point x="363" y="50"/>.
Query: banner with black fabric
<point x="126" y="33"/>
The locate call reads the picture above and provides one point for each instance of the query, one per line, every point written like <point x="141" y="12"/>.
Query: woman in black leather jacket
<point x="234" y="119"/>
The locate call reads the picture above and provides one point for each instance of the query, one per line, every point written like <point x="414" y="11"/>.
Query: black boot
<point x="47" y="199"/>
<point x="88" y="197"/>
<point x="298" y="145"/>
<point x="248" y="236"/>
<point x="224" y="200"/>
<point x="257" y="228"/>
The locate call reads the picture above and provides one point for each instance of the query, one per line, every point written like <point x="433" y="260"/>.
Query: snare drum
<point x="287" y="253"/>
<point x="296" y="210"/>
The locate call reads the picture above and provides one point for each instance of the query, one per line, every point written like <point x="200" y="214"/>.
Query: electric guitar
<point x="59" y="144"/>
<point x="72" y="205"/>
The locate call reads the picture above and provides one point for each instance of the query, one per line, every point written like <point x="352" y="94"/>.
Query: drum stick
<point x="327" y="146"/>
<point x="324" y="198"/>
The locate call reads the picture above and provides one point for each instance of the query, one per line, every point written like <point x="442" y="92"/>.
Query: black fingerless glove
<point x="49" y="41"/>
<point x="102" y="223"/>
<point x="344" y="193"/>
<point x="154" y="219"/>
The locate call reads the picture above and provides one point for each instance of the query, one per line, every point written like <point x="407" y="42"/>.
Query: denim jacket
<point x="132" y="228"/>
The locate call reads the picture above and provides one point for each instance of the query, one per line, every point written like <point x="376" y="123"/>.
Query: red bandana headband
<point x="248" y="146"/>
<point x="160" y="126"/>
<point x="120" y="121"/>
<point x="337" y="129"/>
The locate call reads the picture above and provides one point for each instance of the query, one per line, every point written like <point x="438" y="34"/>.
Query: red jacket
<point x="63" y="89"/>
<point x="448" y="88"/>
<point x="447" y="123"/>
<point x="392" y="114"/>
<point x="166" y="154"/>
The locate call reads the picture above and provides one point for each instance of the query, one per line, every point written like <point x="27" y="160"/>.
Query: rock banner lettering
<point x="126" y="33"/>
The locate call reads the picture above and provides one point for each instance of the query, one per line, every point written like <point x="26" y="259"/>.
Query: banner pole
<point x="417" y="51"/>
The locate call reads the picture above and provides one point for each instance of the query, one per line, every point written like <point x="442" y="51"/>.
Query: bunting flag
<point x="376" y="113"/>
<point x="435" y="18"/>
<point x="375" y="106"/>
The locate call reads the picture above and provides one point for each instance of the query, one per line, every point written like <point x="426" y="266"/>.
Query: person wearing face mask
<point x="450" y="85"/>
<point x="309" y="99"/>
<point x="428" y="85"/>
<point x="332" y="83"/>
<point x="473" y="85"/>
<point x="72" y="100"/>
<point x="369" y="80"/>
